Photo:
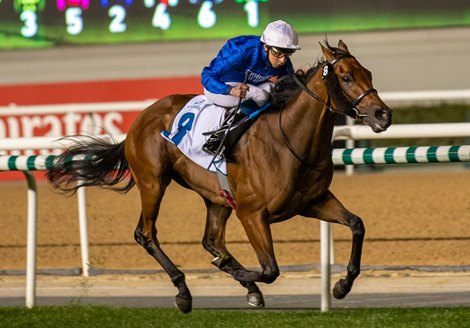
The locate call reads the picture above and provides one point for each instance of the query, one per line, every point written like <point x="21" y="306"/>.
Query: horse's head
<point x="351" y="90"/>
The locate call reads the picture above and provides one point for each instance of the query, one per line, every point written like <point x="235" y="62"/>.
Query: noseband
<point x="325" y="74"/>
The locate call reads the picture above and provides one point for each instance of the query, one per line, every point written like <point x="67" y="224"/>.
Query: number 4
<point x="161" y="19"/>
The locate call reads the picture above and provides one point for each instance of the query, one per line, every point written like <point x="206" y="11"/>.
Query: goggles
<point x="280" y="52"/>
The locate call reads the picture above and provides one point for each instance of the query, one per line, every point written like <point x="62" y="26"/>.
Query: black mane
<point x="286" y="88"/>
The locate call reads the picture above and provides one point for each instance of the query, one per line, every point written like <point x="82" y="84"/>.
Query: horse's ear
<point x="343" y="46"/>
<point x="327" y="53"/>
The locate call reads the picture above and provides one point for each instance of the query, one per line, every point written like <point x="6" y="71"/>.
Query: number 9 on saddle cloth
<point x="201" y="118"/>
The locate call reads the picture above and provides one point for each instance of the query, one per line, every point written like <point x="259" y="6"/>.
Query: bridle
<point x="327" y="67"/>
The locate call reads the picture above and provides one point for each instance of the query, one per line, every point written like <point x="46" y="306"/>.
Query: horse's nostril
<point x="382" y="114"/>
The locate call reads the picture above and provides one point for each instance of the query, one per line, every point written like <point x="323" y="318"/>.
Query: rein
<point x="325" y="74"/>
<point x="310" y="92"/>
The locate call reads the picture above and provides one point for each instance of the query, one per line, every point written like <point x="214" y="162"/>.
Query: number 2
<point x="119" y="16"/>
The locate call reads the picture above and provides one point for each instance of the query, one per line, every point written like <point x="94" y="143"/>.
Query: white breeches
<point x="258" y="93"/>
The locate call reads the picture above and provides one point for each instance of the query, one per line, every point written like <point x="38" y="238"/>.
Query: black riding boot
<point x="213" y="143"/>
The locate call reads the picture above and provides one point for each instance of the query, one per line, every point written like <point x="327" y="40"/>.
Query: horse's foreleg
<point x="259" y="234"/>
<point x="146" y="235"/>
<point x="331" y="210"/>
<point x="214" y="243"/>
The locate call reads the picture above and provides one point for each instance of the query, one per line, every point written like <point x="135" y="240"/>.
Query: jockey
<point x="266" y="58"/>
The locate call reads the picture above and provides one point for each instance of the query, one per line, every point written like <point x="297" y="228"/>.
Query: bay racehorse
<point x="280" y="168"/>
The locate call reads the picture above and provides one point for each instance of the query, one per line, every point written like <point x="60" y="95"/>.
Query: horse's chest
<point x="314" y="182"/>
<point x="293" y="196"/>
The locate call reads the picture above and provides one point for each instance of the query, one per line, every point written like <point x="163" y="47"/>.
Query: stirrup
<point x="211" y="145"/>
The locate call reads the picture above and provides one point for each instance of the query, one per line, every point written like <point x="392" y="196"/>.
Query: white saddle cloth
<point x="197" y="117"/>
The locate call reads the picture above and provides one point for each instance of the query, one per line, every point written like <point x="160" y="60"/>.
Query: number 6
<point x="206" y="17"/>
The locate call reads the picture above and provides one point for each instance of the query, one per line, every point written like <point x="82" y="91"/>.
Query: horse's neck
<point x="308" y="123"/>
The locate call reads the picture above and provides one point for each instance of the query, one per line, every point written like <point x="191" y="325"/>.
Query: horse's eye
<point x="347" y="79"/>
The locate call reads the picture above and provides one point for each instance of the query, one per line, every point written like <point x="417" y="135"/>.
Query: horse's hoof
<point x="340" y="290"/>
<point x="184" y="305"/>
<point x="255" y="300"/>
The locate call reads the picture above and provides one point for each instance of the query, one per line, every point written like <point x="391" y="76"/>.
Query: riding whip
<point x="231" y="120"/>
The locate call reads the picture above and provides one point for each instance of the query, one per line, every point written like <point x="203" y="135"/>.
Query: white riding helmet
<point x="280" y="34"/>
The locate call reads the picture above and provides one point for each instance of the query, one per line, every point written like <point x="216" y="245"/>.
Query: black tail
<point x="91" y="161"/>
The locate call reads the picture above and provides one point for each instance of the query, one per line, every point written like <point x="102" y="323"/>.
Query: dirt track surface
<point x="411" y="218"/>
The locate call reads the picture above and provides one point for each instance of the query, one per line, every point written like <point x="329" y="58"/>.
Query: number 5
<point x="73" y="18"/>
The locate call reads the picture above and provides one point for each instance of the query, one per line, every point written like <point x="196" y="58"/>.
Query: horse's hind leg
<point x="214" y="243"/>
<point x="331" y="210"/>
<point x="146" y="235"/>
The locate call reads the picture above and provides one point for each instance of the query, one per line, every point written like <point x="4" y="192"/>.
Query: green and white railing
<point x="26" y="163"/>
<point x="344" y="156"/>
<point x="401" y="155"/>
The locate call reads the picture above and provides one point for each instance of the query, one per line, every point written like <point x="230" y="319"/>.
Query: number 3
<point x="30" y="27"/>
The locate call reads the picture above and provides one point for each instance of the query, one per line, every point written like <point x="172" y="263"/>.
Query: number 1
<point x="251" y="9"/>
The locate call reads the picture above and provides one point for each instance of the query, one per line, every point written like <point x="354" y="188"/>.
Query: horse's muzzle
<point x="379" y="119"/>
